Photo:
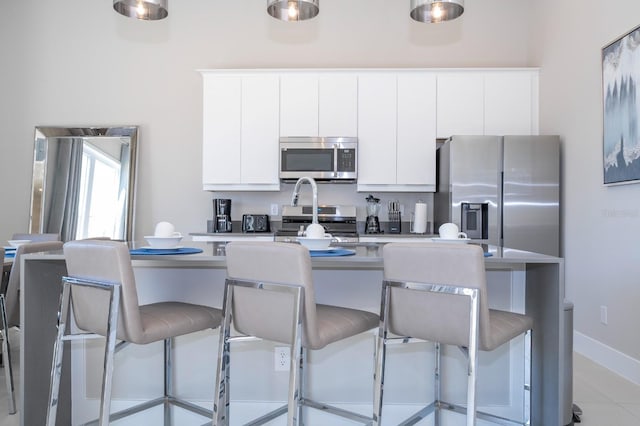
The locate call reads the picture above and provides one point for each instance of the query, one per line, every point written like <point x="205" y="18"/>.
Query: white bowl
<point x="163" y="242"/>
<point x="18" y="243"/>
<point x="316" y="243"/>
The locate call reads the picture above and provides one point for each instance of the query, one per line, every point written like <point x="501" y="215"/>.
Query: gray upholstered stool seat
<point x="10" y="307"/>
<point x="269" y="294"/>
<point x="437" y="292"/>
<point x="170" y="319"/>
<point x="102" y="291"/>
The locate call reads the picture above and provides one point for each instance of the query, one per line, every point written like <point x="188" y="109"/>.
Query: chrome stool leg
<point x="527" y="383"/>
<point x="437" y="383"/>
<point x="302" y="383"/>
<point x="6" y="357"/>
<point x="221" y="391"/>
<point x="380" y="354"/>
<point x="56" y="367"/>
<point x="110" y="346"/>
<point x="168" y="381"/>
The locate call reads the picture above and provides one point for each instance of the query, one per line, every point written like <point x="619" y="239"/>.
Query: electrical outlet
<point x="603" y="315"/>
<point x="274" y="210"/>
<point x="282" y="358"/>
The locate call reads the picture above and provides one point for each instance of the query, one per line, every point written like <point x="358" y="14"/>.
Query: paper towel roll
<point x="420" y="218"/>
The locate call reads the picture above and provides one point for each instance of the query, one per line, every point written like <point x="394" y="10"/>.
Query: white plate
<point x="451" y="240"/>
<point x="327" y="249"/>
<point x="159" y="248"/>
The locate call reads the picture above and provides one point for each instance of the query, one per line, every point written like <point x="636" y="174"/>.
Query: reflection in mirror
<point x="83" y="182"/>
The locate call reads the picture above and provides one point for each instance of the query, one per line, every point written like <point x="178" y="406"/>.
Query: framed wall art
<point x="621" y="108"/>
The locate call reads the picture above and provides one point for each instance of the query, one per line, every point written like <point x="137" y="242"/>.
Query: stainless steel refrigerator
<point x="502" y="190"/>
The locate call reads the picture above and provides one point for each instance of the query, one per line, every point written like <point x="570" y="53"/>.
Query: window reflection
<point x="83" y="182"/>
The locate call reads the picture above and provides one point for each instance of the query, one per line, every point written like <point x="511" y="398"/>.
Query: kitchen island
<point x="521" y="281"/>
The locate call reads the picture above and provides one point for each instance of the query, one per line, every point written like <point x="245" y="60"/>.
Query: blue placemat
<point x="10" y="253"/>
<point x="329" y="253"/>
<point x="152" y="251"/>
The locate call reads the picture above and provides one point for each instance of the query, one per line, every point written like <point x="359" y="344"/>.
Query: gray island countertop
<point x="368" y="255"/>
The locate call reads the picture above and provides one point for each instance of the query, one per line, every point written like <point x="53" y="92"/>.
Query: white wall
<point x="601" y="224"/>
<point x="78" y="63"/>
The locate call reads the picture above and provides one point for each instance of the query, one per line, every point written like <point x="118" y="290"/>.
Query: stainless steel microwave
<point x="332" y="159"/>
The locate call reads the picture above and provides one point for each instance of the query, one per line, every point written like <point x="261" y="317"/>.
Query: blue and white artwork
<point x="620" y="78"/>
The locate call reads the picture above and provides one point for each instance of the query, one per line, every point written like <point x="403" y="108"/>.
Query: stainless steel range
<point x="339" y="221"/>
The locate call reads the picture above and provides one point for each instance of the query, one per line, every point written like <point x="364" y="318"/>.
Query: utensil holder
<point x="395" y="225"/>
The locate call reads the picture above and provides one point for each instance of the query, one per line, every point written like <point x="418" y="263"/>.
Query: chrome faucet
<point x="314" y="188"/>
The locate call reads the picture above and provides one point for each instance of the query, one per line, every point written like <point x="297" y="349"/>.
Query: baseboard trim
<point x="610" y="358"/>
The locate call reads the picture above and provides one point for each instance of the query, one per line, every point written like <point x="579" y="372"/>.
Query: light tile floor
<point x="604" y="397"/>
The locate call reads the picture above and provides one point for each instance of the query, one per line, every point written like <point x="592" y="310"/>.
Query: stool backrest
<point x="13" y="286"/>
<point x="269" y="314"/>
<point x="431" y="316"/>
<point x="109" y="262"/>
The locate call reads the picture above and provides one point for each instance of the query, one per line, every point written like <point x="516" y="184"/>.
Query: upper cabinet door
<point x="510" y="102"/>
<point x="259" y="153"/>
<point x="221" y="129"/>
<point x="460" y="104"/>
<point x="299" y="104"/>
<point x="416" y="144"/>
<point x="338" y="104"/>
<point x="377" y="128"/>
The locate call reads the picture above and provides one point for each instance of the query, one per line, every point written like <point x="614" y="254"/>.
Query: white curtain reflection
<point x="64" y="196"/>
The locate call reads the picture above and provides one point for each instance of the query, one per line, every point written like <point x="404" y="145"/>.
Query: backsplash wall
<point x="329" y="193"/>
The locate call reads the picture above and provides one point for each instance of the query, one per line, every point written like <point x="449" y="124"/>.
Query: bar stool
<point x="102" y="291"/>
<point x="437" y="292"/>
<point x="269" y="294"/>
<point x="10" y="308"/>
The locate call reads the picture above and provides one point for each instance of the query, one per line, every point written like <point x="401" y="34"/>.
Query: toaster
<point x="255" y="223"/>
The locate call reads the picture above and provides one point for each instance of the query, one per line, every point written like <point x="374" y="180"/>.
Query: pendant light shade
<point x="147" y="10"/>
<point x="434" y="11"/>
<point x="293" y="10"/>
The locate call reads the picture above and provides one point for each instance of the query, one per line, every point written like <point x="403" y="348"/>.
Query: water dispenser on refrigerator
<point x="475" y="220"/>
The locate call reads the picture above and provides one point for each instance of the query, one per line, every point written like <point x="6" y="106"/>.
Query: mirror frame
<point x="44" y="135"/>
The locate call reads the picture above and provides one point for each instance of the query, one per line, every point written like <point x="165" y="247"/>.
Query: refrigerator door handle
<point x="501" y="224"/>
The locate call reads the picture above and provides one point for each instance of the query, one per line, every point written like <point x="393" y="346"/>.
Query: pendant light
<point x="293" y="10"/>
<point x="434" y="11"/>
<point x="147" y="10"/>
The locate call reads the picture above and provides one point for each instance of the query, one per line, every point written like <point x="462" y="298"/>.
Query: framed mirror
<point x="84" y="182"/>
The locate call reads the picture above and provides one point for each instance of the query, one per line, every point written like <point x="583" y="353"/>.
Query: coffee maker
<point x="372" y="225"/>
<point x="221" y="215"/>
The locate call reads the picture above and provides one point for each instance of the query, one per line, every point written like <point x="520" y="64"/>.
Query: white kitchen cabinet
<point x="487" y="102"/>
<point x="338" y="104"/>
<point x="318" y="104"/>
<point x="221" y="132"/>
<point x="416" y="143"/>
<point x="299" y="104"/>
<point x="511" y="102"/>
<point x="240" y="132"/>
<point x="259" y="147"/>
<point x="396" y="132"/>
<point x="377" y="109"/>
<point x="460" y="103"/>
<point x="396" y="114"/>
